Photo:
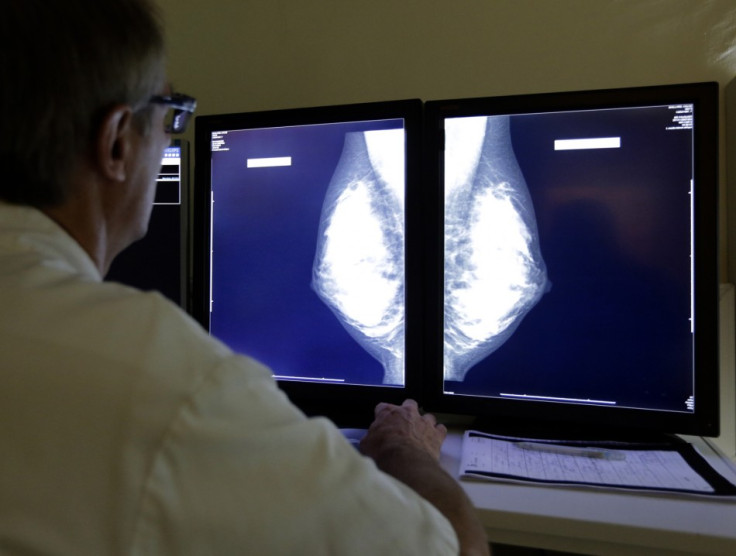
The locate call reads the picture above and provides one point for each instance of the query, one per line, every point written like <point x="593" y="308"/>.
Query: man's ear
<point x="113" y="145"/>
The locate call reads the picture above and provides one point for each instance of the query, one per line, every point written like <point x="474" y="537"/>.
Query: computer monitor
<point x="575" y="260"/>
<point x="160" y="260"/>
<point x="303" y="221"/>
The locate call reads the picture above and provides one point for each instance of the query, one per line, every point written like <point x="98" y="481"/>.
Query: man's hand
<point x="406" y="445"/>
<point x="403" y="425"/>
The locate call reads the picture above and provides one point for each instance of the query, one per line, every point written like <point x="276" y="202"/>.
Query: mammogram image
<point x="359" y="262"/>
<point x="494" y="271"/>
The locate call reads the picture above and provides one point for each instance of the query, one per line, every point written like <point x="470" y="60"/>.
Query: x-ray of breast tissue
<point x="494" y="272"/>
<point x="358" y="269"/>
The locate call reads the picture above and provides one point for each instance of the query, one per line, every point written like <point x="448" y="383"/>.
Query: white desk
<point x="602" y="521"/>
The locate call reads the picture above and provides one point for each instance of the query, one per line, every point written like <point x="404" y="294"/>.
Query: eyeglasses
<point x="182" y="107"/>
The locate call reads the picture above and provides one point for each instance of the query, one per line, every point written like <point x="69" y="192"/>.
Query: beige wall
<point x="239" y="55"/>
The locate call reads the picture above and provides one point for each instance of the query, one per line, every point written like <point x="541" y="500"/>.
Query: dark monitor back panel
<point x="159" y="261"/>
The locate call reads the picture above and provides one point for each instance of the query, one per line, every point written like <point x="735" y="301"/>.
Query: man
<point x="124" y="428"/>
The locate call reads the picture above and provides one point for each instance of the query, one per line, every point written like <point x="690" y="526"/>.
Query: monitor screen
<point x="575" y="257"/>
<point x="159" y="261"/>
<point x="303" y="263"/>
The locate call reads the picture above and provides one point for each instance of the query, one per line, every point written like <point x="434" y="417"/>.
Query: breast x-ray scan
<point x="567" y="256"/>
<point x="359" y="262"/>
<point x="494" y="269"/>
<point x="307" y="249"/>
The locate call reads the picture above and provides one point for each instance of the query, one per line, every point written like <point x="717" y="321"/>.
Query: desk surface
<point x="604" y="521"/>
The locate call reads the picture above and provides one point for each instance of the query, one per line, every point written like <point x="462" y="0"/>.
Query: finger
<point x="411" y="404"/>
<point x="383" y="407"/>
<point x="430" y="418"/>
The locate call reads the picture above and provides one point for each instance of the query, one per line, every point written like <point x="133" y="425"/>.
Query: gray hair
<point x="63" y="65"/>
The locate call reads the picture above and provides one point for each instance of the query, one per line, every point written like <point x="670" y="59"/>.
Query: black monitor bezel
<point x="347" y="405"/>
<point x="704" y="421"/>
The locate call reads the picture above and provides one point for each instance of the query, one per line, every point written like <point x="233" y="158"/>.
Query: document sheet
<point x="505" y="458"/>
